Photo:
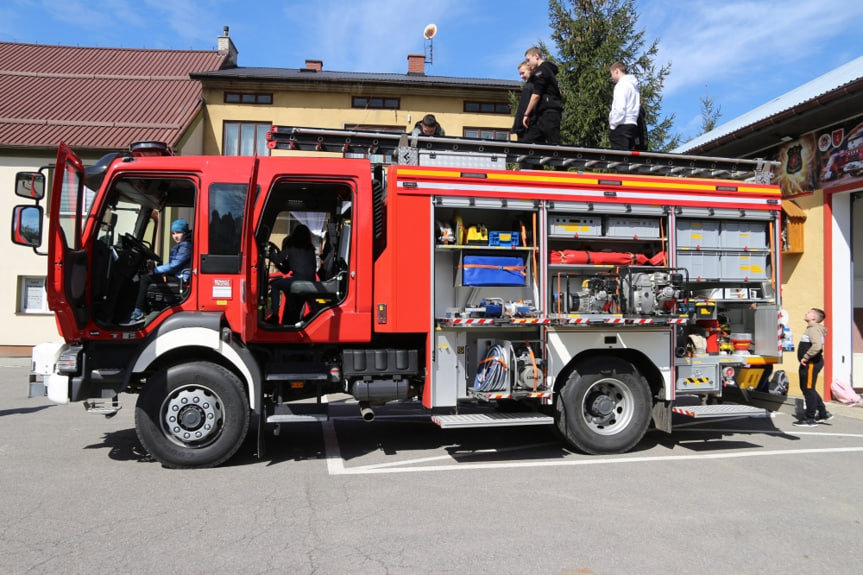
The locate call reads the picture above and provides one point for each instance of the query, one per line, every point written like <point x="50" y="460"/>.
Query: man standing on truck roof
<point x="546" y="101"/>
<point x="525" y="72"/>
<point x="623" y="118"/>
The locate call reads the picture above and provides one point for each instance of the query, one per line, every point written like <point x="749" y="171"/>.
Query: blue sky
<point x="744" y="52"/>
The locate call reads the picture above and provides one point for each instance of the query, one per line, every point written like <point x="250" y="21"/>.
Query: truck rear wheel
<point x="604" y="406"/>
<point x="192" y="415"/>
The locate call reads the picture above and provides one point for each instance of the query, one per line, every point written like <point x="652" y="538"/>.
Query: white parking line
<point x="336" y="465"/>
<point x="339" y="469"/>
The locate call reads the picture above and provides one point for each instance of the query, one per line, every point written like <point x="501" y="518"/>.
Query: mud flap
<point x="262" y="445"/>
<point x="662" y="416"/>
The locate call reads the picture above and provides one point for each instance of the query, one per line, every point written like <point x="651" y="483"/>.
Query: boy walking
<point x="810" y="353"/>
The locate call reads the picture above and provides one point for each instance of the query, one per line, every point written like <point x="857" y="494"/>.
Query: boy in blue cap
<point x="171" y="273"/>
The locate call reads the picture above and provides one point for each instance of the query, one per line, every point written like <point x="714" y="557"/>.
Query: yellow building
<point x="241" y="103"/>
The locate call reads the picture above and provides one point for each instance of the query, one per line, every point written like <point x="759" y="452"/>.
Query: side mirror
<point x="27" y="225"/>
<point x="30" y="185"/>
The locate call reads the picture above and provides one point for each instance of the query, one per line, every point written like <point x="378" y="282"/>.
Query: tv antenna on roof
<point x="428" y="34"/>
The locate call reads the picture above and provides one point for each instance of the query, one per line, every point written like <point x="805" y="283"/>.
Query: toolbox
<point x="503" y="239"/>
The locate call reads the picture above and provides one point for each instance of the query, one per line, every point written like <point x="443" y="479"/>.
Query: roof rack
<point x="406" y="149"/>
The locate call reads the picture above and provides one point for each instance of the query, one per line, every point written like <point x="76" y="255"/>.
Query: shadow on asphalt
<point x="123" y="445"/>
<point x="23" y="410"/>
<point x="406" y="434"/>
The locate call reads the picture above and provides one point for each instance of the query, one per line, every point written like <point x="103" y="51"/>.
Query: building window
<point x="32" y="297"/>
<point x="241" y="98"/>
<point x="245" y="139"/>
<point x="486" y="108"/>
<point x="487" y="134"/>
<point x="375" y="103"/>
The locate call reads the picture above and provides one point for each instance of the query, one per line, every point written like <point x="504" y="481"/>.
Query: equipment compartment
<point x="486" y="282"/>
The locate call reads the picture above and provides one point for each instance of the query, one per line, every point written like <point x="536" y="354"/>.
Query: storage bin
<point x="746" y="267"/>
<point x="632" y="228"/>
<point x="700" y="265"/>
<point x="743" y="235"/>
<point x="697" y="234"/>
<point x="480" y="271"/>
<point x="576" y="226"/>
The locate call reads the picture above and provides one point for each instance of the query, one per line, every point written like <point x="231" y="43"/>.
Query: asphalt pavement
<point x="401" y="496"/>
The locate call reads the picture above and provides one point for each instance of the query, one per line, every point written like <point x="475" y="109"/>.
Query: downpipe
<point x="366" y="411"/>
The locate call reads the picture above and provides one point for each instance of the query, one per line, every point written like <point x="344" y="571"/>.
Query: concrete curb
<point x="15" y="361"/>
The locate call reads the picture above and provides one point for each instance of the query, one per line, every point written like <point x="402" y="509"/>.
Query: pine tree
<point x="710" y="112"/>
<point x="590" y="35"/>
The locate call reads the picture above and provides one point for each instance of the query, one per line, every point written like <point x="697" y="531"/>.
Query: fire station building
<point x="816" y="133"/>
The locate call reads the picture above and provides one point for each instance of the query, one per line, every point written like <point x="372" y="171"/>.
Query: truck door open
<point x="67" y="284"/>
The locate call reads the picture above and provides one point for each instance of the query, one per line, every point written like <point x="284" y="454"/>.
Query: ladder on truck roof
<point x="412" y="150"/>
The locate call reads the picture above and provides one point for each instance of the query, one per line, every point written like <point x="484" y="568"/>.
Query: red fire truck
<point x="597" y="291"/>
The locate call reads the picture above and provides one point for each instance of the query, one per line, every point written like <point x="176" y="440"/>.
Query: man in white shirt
<point x="623" y="118"/>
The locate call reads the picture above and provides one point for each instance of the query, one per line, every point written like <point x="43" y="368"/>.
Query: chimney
<point x="417" y="64"/>
<point x="226" y="46"/>
<point x="315" y="65"/>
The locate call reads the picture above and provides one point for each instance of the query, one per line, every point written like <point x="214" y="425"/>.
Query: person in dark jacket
<point x="296" y="258"/>
<point x="428" y="126"/>
<point x="810" y="353"/>
<point x="518" y="128"/>
<point x="546" y="101"/>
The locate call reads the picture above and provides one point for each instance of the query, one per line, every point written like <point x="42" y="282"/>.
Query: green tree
<point x="710" y="112"/>
<point x="590" y="35"/>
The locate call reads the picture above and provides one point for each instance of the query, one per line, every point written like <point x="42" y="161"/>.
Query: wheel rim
<point x="192" y="416"/>
<point x="608" y="406"/>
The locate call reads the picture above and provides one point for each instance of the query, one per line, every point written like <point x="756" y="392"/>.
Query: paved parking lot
<point x="400" y="495"/>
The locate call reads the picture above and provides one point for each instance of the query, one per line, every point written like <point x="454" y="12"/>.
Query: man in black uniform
<point x="524" y="71"/>
<point x="545" y="101"/>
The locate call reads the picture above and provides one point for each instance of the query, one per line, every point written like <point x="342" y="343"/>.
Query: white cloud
<point x="711" y="43"/>
<point x="367" y="35"/>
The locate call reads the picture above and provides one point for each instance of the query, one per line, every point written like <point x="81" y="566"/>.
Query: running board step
<point x="491" y="420"/>
<point x="722" y="410"/>
<point x="300" y="371"/>
<point x="298" y="413"/>
<point x="107" y="408"/>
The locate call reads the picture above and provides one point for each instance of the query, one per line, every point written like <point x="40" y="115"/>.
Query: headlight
<point x="67" y="361"/>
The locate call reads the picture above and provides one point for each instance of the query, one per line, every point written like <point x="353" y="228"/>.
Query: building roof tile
<point x="98" y="98"/>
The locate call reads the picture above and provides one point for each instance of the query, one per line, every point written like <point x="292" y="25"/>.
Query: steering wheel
<point x="140" y="247"/>
<point x="280" y="263"/>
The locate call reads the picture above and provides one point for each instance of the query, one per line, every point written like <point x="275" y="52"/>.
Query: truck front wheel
<point x="604" y="406"/>
<point x="192" y="415"/>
